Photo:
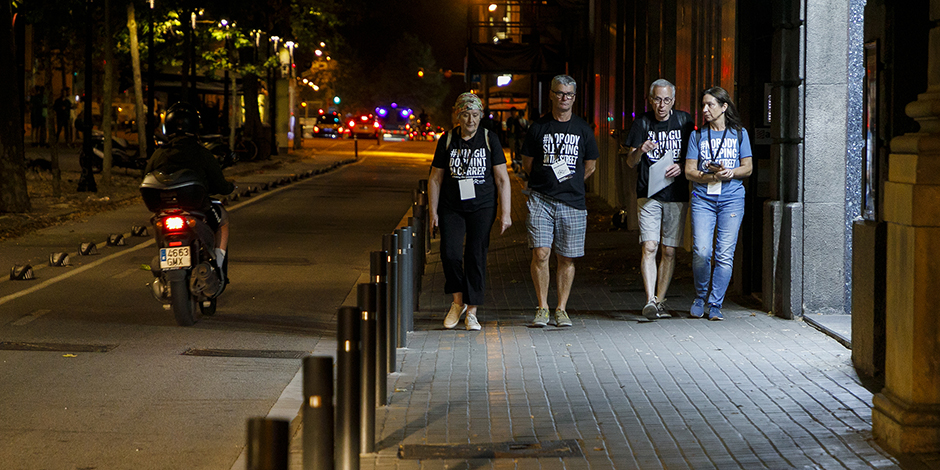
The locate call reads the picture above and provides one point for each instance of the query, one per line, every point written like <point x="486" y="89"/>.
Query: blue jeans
<point x="707" y="216"/>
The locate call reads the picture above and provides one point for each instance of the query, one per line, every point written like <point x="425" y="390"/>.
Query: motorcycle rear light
<point x="174" y="223"/>
<point x="176" y="243"/>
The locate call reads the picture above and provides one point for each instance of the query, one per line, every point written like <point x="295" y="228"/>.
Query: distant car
<point x="328" y="125"/>
<point x="426" y="132"/>
<point x="364" y="127"/>
<point x="395" y="122"/>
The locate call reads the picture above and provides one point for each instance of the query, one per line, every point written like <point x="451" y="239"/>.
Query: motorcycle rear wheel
<point x="185" y="307"/>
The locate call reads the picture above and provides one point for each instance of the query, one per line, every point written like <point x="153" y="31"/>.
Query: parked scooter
<point x="123" y="155"/>
<point x="187" y="278"/>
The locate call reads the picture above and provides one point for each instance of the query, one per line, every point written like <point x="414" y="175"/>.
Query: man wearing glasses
<point x="656" y="142"/>
<point x="558" y="154"/>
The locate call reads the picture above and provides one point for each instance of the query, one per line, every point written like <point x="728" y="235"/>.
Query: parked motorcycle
<point x="123" y="155"/>
<point x="186" y="276"/>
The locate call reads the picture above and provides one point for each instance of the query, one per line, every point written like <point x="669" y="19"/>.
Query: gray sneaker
<point x="651" y="310"/>
<point x="655" y="309"/>
<point x="662" y="311"/>
<point x="541" y="318"/>
<point x="561" y="318"/>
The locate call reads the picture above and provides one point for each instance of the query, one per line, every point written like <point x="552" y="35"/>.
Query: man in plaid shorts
<point x="558" y="154"/>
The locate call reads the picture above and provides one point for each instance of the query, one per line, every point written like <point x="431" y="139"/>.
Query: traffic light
<point x="336" y="99"/>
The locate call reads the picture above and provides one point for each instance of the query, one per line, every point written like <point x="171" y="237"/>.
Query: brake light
<point x="174" y="223"/>
<point x="176" y="243"/>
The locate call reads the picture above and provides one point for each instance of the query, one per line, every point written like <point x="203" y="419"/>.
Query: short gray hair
<point x="662" y="83"/>
<point x="564" y="80"/>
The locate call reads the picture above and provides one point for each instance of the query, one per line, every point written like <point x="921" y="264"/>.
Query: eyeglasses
<point x="561" y="95"/>
<point x="665" y="101"/>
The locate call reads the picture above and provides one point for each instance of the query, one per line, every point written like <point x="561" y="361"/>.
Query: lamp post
<point x="291" y="96"/>
<point x="151" y="114"/>
<point x="272" y="97"/>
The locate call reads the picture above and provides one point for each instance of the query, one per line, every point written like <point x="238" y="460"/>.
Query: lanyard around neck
<point x="718" y="151"/>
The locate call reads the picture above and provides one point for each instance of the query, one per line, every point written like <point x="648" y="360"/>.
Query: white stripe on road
<point x="64" y="276"/>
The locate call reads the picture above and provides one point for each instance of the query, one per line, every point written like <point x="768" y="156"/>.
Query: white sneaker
<point x="472" y="323"/>
<point x="453" y="316"/>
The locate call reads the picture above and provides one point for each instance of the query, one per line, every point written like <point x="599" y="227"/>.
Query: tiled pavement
<point x="614" y="390"/>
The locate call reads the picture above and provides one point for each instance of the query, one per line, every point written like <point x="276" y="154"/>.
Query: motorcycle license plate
<point x="175" y="258"/>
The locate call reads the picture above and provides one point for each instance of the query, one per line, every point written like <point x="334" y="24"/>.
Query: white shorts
<point x="661" y="218"/>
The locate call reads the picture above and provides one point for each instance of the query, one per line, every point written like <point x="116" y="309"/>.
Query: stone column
<point x="906" y="414"/>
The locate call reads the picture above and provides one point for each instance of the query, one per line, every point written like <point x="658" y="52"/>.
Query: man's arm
<point x="589" y="167"/>
<point x="527" y="164"/>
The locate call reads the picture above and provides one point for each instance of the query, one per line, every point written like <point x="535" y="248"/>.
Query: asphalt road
<point x="117" y="392"/>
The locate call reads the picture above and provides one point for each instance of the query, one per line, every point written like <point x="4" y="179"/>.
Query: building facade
<point x="842" y="102"/>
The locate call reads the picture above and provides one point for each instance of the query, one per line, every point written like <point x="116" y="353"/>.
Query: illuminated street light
<point x="492" y="7"/>
<point x="318" y="52"/>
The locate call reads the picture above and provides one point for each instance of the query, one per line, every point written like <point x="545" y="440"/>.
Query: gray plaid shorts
<point x="556" y="224"/>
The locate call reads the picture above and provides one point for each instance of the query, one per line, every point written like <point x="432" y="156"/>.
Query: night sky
<point x="440" y="23"/>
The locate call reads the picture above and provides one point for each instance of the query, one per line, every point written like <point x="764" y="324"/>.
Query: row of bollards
<point x="367" y="338"/>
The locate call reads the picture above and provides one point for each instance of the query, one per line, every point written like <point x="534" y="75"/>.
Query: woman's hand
<point x="505" y="221"/>
<point x="725" y="175"/>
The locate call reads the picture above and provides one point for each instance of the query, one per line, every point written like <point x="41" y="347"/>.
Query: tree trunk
<point x="51" y="123"/>
<point x="138" y="83"/>
<point x="233" y="113"/>
<point x="106" y="120"/>
<point x="14" y="196"/>
<point x="187" y="45"/>
<point x="252" y="113"/>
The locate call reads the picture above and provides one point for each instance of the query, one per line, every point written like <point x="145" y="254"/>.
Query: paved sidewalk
<point x="615" y="390"/>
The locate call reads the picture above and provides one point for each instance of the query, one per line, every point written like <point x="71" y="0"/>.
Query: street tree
<point x="14" y="196"/>
<point x="57" y="41"/>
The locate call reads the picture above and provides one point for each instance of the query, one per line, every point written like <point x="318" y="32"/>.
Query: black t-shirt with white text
<point x="673" y="139"/>
<point x="468" y="159"/>
<point x="549" y="141"/>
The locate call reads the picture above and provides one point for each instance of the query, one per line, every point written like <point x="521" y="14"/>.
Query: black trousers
<point x="465" y="263"/>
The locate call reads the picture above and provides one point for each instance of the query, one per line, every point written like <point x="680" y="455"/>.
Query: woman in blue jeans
<point x="719" y="157"/>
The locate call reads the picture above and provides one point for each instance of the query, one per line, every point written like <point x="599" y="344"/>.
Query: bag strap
<point x="486" y="135"/>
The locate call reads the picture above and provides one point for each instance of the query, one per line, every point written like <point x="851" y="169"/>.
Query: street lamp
<point x="291" y="94"/>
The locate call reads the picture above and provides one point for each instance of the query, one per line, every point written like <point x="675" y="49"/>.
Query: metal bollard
<point x="318" y="413"/>
<point x="405" y="286"/>
<point x="268" y="444"/>
<point x="347" y="388"/>
<point x="378" y="270"/>
<point x="421" y="238"/>
<point x="390" y="245"/>
<point x="367" y="300"/>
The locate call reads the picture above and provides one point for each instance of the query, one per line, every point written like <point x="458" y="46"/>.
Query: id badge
<point x="562" y="172"/>
<point x="714" y="189"/>
<point x="467" y="191"/>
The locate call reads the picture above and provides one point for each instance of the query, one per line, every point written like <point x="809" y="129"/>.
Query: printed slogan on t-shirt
<point x="468" y="164"/>
<point x="560" y="145"/>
